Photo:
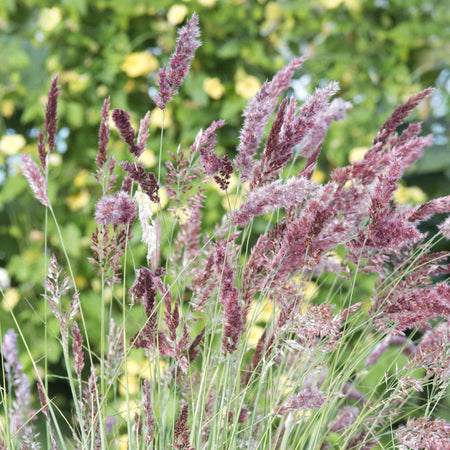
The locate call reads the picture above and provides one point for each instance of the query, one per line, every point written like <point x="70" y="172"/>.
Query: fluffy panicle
<point x="171" y="77"/>
<point x="205" y="145"/>
<point x="445" y="228"/>
<point x="147" y="181"/>
<point x="185" y="181"/>
<point x="51" y="119"/>
<point x="122" y="120"/>
<point x="181" y="432"/>
<point x="344" y="419"/>
<point x="149" y="419"/>
<point x="117" y="209"/>
<point x="426" y="210"/>
<point x="89" y="408"/>
<point x="229" y="297"/>
<point x="20" y="408"/>
<point x="108" y="249"/>
<point x="45" y="410"/>
<point x="35" y="179"/>
<point x="57" y="285"/>
<point x="77" y="347"/>
<point x="423" y="433"/>
<point x="277" y="195"/>
<point x="401" y="341"/>
<point x="257" y="115"/>
<point x="144" y="288"/>
<point x="115" y="356"/>
<point x="150" y="234"/>
<point x="42" y="151"/>
<point x="105" y="167"/>
<point x="433" y="353"/>
<point x="103" y="136"/>
<point x="306" y="399"/>
<point x="399" y="115"/>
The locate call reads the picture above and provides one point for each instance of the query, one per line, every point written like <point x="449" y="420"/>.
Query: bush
<point x="309" y="317"/>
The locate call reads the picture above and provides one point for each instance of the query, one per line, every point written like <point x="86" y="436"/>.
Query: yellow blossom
<point x="76" y="82"/>
<point x="123" y="441"/>
<point x="331" y="4"/>
<point x="49" y="18"/>
<point x="163" y="199"/>
<point x="78" y="200"/>
<point x="176" y="14"/>
<point x="357" y="154"/>
<point x="182" y="215"/>
<point x="261" y="311"/>
<point x="318" y="176"/>
<point x="248" y="86"/>
<point x="139" y="64"/>
<point x="80" y="281"/>
<point x="207" y="3"/>
<point x="10" y="299"/>
<point x="137" y="371"/>
<point x="102" y="90"/>
<point x="55" y="159"/>
<point x="81" y="178"/>
<point x="235" y="202"/>
<point x="36" y="236"/>
<point x="273" y="12"/>
<point x="411" y="194"/>
<point x="148" y="159"/>
<point x="213" y="87"/>
<point x="254" y="336"/>
<point x="7" y="108"/>
<point x="233" y="183"/>
<point x="11" y="144"/>
<point x="157" y="116"/>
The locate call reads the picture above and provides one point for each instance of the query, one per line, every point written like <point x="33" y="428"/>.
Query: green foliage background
<point x="380" y="51"/>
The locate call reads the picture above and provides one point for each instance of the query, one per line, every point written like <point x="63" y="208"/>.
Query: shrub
<point x="256" y="335"/>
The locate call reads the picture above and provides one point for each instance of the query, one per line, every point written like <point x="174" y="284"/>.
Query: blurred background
<point x="380" y="51"/>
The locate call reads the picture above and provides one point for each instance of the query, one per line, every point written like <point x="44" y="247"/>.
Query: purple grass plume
<point x="171" y="77"/>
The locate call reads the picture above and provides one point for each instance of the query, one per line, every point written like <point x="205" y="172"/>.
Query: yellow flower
<point x="102" y="90"/>
<point x="49" y="18"/>
<point x="81" y="178"/>
<point x="182" y="215"/>
<point x="411" y="194"/>
<point x="78" y="200"/>
<point x="163" y="199"/>
<point x="10" y="299"/>
<point x="356" y="154"/>
<point x="247" y="86"/>
<point x="310" y="290"/>
<point x="213" y="87"/>
<point x="156" y="118"/>
<point x="254" y="336"/>
<point x="233" y="183"/>
<point x="273" y="12"/>
<point x="235" y="202"/>
<point x="7" y="108"/>
<point x="261" y="311"/>
<point x="123" y="442"/>
<point x="176" y="14"/>
<point x="55" y="159"/>
<point x="139" y="64"/>
<point x="137" y="371"/>
<point x="318" y="176"/>
<point x="148" y="159"/>
<point x="80" y="281"/>
<point x="207" y="3"/>
<point x="76" y="82"/>
<point x="12" y="144"/>
<point x="331" y="4"/>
